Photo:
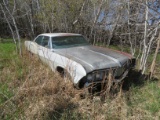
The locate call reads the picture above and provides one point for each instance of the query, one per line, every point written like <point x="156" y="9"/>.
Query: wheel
<point x="63" y="73"/>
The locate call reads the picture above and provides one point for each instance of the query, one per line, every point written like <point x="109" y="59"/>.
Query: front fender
<point x="76" y="70"/>
<point x="79" y="74"/>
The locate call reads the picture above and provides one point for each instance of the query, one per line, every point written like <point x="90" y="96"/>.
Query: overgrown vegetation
<point x="30" y="90"/>
<point x="131" y="23"/>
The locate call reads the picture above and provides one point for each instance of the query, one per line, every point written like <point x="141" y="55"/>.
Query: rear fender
<point x="31" y="46"/>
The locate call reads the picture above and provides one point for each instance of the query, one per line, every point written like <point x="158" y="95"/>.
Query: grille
<point x="120" y="70"/>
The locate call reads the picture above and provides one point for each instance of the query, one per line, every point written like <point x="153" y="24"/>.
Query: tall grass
<point x="30" y="90"/>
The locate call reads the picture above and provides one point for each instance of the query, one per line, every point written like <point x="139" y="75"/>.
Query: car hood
<point x="94" y="58"/>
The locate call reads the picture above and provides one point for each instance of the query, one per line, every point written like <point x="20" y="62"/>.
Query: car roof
<point x="60" y="34"/>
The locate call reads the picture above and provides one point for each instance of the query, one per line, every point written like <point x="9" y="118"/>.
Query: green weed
<point x="30" y="90"/>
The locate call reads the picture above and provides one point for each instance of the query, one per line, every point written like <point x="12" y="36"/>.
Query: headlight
<point x="90" y="77"/>
<point x="119" y="71"/>
<point x="99" y="75"/>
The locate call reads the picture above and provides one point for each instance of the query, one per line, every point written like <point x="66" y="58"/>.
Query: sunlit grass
<point x="30" y="90"/>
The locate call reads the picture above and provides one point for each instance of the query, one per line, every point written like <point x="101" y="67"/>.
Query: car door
<point x="46" y="49"/>
<point x="59" y="60"/>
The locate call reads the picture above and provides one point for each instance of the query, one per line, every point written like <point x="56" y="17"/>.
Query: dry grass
<point x="32" y="91"/>
<point x="36" y="90"/>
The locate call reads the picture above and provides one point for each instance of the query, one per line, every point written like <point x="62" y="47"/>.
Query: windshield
<point x="68" y="41"/>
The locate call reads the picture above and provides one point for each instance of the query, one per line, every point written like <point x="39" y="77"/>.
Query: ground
<point x="30" y="90"/>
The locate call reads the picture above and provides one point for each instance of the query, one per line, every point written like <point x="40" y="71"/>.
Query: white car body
<point x="79" y="61"/>
<point x="54" y="60"/>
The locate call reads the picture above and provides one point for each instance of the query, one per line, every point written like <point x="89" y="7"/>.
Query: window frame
<point x="49" y="41"/>
<point x="37" y="38"/>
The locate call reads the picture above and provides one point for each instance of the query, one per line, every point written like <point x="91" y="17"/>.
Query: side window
<point x="45" y="41"/>
<point x="39" y="40"/>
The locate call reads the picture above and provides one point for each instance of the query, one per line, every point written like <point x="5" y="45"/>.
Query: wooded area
<point x="30" y="90"/>
<point x="128" y="23"/>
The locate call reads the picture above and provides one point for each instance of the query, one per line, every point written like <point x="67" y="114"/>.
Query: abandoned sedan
<point x="73" y="54"/>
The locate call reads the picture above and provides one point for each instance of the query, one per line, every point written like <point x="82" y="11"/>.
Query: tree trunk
<point x="15" y="25"/>
<point x="10" y="27"/>
<point x="144" y="53"/>
<point x="96" y="17"/>
<point x="155" y="57"/>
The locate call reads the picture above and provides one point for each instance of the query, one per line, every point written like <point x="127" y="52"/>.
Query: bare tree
<point x="96" y="14"/>
<point x="10" y="16"/>
<point x="130" y="23"/>
<point x="10" y="27"/>
<point x="155" y="57"/>
<point x="144" y="53"/>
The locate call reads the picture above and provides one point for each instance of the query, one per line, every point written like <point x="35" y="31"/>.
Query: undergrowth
<point x="30" y="90"/>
